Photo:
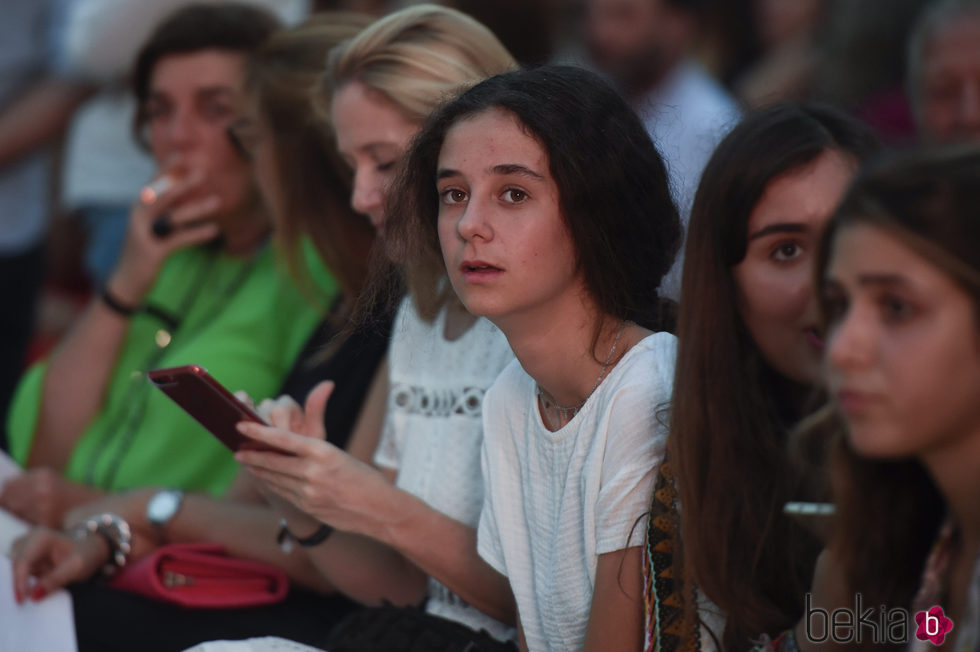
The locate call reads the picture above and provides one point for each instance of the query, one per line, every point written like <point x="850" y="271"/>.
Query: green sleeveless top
<point x="242" y="319"/>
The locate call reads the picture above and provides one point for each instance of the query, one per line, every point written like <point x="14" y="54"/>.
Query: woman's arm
<point x="43" y="497"/>
<point x="616" y="615"/>
<point x="243" y="521"/>
<point x="80" y="369"/>
<point x="827" y="592"/>
<point x="335" y="488"/>
<point x="245" y="529"/>
<point x="446" y="549"/>
<point x="54" y="560"/>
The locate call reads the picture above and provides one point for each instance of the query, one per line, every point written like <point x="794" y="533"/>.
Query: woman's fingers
<point x="80" y="562"/>
<point x="168" y="189"/>
<point x="243" y="396"/>
<point x="193" y="235"/>
<point x="264" y="408"/>
<point x="282" y="412"/>
<point x="54" y="560"/>
<point x="276" y="438"/>
<point x="181" y="221"/>
<point x="30" y="554"/>
<point x="169" y="217"/>
<point x="303" y="449"/>
<point x="193" y="212"/>
<point x="284" y="485"/>
<point x="316" y="406"/>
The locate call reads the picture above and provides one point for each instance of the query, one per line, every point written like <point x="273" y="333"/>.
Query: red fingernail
<point x="18" y="596"/>
<point x="38" y="593"/>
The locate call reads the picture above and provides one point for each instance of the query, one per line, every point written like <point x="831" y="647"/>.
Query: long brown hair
<point x="730" y="411"/>
<point x="889" y="511"/>
<point x="314" y="185"/>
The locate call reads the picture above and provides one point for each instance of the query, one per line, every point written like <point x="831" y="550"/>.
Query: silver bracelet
<point x="116" y="533"/>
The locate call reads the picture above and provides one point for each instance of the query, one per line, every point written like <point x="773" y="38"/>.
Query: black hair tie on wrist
<point x="115" y="305"/>
<point x="285" y="537"/>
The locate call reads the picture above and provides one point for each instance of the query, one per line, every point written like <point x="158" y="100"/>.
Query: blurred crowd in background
<point x="71" y="166"/>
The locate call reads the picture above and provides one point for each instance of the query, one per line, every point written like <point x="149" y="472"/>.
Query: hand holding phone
<point x="210" y="404"/>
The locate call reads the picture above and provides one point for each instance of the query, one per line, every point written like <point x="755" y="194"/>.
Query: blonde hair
<point x="418" y="58"/>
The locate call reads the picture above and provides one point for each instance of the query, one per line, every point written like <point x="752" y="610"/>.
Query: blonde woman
<point x="405" y="527"/>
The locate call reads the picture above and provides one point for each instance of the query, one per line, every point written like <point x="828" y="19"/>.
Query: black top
<point x="352" y="367"/>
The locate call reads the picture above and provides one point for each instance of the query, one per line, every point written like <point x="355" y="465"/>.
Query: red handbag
<point x="202" y="575"/>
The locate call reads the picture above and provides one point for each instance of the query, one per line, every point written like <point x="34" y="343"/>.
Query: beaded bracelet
<point x="116" y="533"/>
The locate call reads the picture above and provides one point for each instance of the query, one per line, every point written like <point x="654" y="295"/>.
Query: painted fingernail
<point x="38" y="593"/>
<point x="18" y="596"/>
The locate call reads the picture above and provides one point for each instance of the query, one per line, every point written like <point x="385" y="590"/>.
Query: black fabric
<point x="20" y="281"/>
<point x="107" y="620"/>
<point x="352" y="366"/>
<point x="407" y="629"/>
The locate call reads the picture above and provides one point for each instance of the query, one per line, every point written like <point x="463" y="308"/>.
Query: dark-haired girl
<point x="551" y="209"/>
<point x="748" y="356"/>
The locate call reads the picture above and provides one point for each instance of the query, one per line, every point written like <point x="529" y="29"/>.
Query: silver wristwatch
<point x="163" y="506"/>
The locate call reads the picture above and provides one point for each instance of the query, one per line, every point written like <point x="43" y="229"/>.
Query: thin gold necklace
<point x="563" y="413"/>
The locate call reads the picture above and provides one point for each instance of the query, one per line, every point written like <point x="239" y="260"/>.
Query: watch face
<point x="163" y="506"/>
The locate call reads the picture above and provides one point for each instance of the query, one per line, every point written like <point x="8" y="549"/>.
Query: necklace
<point x="562" y="413"/>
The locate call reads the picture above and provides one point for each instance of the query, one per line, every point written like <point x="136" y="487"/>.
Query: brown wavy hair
<point x="731" y="411"/>
<point x="314" y="183"/>
<point x="889" y="511"/>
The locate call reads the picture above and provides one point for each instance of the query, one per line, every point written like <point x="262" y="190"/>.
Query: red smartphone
<point x="214" y="407"/>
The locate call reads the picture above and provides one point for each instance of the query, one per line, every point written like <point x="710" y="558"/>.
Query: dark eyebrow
<point x="780" y="227"/>
<point x="884" y="279"/>
<point x="206" y="92"/>
<point x="377" y="148"/>
<point x="514" y="168"/>
<point x="504" y="169"/>
<point x="214" y="91"/>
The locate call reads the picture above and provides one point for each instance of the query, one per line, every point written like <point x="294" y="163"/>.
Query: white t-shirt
<point x="555" y="501"/>
<point x="433" y="431"/>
